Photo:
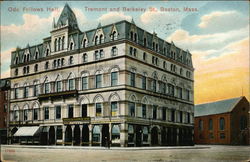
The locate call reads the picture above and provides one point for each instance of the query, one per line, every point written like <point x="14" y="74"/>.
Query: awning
<point x="27" y="131"/>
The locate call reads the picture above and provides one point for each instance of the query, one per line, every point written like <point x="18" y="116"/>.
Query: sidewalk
<point x="104" y="148"/>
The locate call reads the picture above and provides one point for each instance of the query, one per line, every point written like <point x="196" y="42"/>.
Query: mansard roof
<point x="124" y="27"/>
<point x="67" y="17"/>
<point x="218" y="107"/>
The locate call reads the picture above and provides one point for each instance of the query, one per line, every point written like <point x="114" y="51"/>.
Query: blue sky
<point x="208" y="33"/>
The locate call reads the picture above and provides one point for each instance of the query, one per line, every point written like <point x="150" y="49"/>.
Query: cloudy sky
<point x="216" y="33"/>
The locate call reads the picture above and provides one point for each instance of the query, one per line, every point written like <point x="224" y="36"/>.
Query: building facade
<point x="222" y="122"/>
<point x="115" y="83"/>
<point x="4" y="104"/>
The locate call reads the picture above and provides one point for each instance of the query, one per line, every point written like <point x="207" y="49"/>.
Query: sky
<point x="215" y="33"/>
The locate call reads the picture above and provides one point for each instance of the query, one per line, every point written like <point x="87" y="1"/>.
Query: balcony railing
<point x="76" y="120"/>
<point x="61" y="94"/>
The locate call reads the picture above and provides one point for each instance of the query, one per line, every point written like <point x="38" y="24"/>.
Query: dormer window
<point x="56" y="45"/>
<point x="16" y="60"/>
<point x="63" y="38"/>
<point x="24" y="58"/>
<point x="47" y="52"/>
<point x="36" y="55"/>
<point x="101" y="39"/>
<point x="156" y="47"/>
<point x="164" y="50"/>
<point x="28" y="57"/>
<point x="96" y="40"/>
<point x="153" y="45"/>
<point x="135" y="37"/>
<point x="131" y="35"/>
<point x="114" y="36"/>
<point x="145" y="42"/>
<point x="85" y="44"/>
<point x="59" y="44"/>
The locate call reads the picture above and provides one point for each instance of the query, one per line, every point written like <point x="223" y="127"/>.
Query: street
<point x="198" y="153"/>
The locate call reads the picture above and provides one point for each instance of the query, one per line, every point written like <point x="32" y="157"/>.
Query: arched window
<point x="164" y="64"/>
<point x="24" y="58"/>
<point x="56" y="44"/>
<point x="36" y="89"/>
<point x="71" y="46"/>
<point x="96" y="40"/>
<point x="28" y="57"/>
<point x="243" y="122"/>
<point x="46" y="86"/>
<point x="84" y="81"/>
<point x="200" y="125"/>
<point x="85" y="57"/>
<point x="16" y="72"/>
<point x="16" y="90"/>
<point x="59" y="44"/>
<point x="46" y="65"/>
<point x="62" y="61"/>
<point x="16" y="113"/>
<point x="222" y="123"/>
<point x="114" y="51"/>
<point x="24" y="70"/>
<point x="153" y="45"/>
<point x="54" y="63"/>
<point x="71" y="60"/>
<point x="144" y="56"/>
<point x="84" y="43"/>
<point x="114" y="35"/>
<point x="63" y="38"/>
<point x="98" y="80"/>
<point x="135" y="37"/>
<point x="47" y="52"/>
<point x="58" y="62"/>
<point x="101" y="39"/>
<point x="25" y="91"/>
<point x="210" y="126"/>
<point x="145" y="42"/>
<point x="131" y="35"/>
<point x="25" y="113"/>
<point x="36" y="55"/>
<point x="98" y="108"/>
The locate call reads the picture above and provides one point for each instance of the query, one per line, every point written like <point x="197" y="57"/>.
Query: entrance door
<point x="52" y="136"/>
<point x="77" y="135"/>
<point x="138" y="136"/>
<point x="154" y="136"/>
<point x="105" y="134"/>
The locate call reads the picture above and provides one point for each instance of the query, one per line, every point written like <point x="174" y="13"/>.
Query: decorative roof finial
<point x="99" y="25"/>
<point x="132" y="21"/>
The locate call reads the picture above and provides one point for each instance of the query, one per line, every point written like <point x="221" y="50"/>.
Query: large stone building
<point x="117" y="82"/>
<point x="222" y="122"/>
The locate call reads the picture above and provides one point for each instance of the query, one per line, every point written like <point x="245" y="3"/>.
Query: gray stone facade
<point x="115" y="83"/>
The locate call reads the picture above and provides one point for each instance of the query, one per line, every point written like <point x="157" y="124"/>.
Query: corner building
<point x="115" y="83"/>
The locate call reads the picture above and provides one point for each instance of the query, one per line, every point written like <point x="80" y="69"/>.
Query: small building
<point x="4" y="101"/>
<point x="222" y="122"/>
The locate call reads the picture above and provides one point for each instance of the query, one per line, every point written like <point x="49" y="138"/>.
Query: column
<point x="63" y="135"/>
<point x="177" y="136"/>
<point x="124" y="135"/>
<point x="101" y="126"/>
<point x="159" y="136"/>
<point x="149" y="135"/>
<point x="73" y="129"/>
<point x="80" y="134"/>
<point x="55" y="135"/>
<point x="90" y="134"/>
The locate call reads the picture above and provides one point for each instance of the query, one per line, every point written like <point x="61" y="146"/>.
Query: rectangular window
<point x="59" y="86"/>
<point x="101" y="54"/>
<point x="46" y="88"/>
<point x="70" y="111"/>
<point x="59" y="132"/>
<point x="188" y="117"/>
<point x="58" y="112"/>
<point x="35" y="114"/>
<point x="154" y="85"/>
<point x="131" y="50"/>
<point x="26" y="92"/>
<point x="132" y="79"/>
<point x="46" y="113"/>
<point x="144" y="111"/>
<point x="36" y="90"/>
<point x="171" y="89"/>
<point x="84" y="110"/>
<point x="180" y="116"/>
<point x="97" y="55"/>
<point x="15" y="115"/>
<point x="98" y="107"/>
<point x="114" y="108"/>
<point x="131" y="109"/>
<point x="98" y="81"/>
<point x="114" y="78"/>
<point x="222" y="136"/>
<point x="144" y="82"/>
<point x="179" y="89"/>
<point x="154" y="112"/>
<point x="25" y="115"/>
<point x="16" y="93"/>
<point x="71" y="84"/>
<point x="188" y="95"/>
<point x="172" y="115"/>
<point x="84" y="83"/>
<point x="210" y="126"/>
<point x="114" y="51"/>
<point x="164" y="117"/>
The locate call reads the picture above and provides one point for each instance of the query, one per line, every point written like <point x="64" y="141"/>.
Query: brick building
<point x="222" y="122"/>
<point x="4" y="98"/>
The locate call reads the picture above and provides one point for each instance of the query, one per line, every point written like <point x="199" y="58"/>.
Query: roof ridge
<point x="220" y="100"/>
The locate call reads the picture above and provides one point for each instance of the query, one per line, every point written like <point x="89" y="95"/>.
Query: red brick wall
<point x="3" y="114"/>
<point x="203" y="136"/>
